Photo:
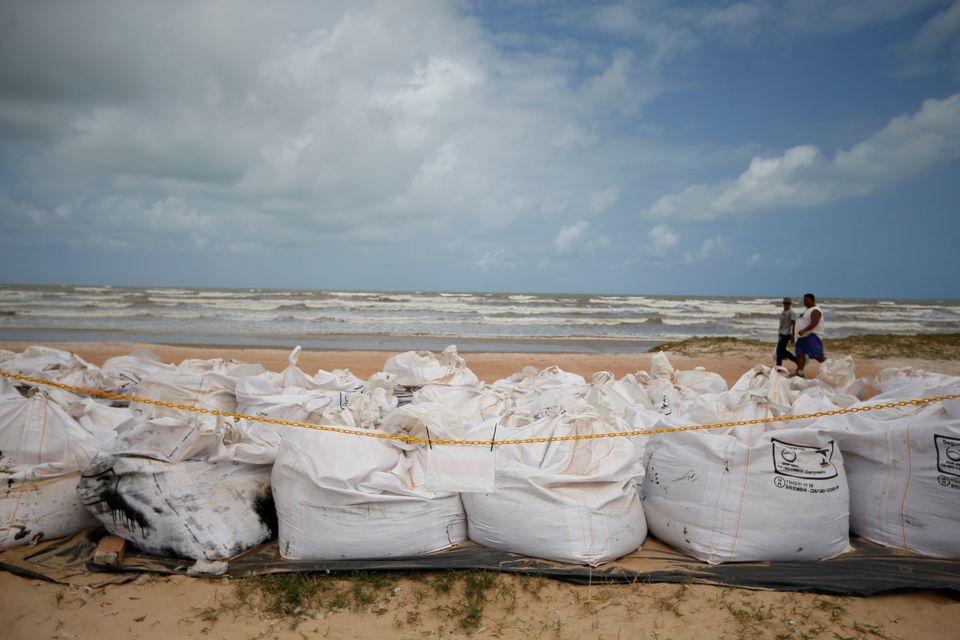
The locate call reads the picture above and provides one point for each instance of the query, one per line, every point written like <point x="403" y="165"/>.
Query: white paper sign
<point x="460" y="468"/>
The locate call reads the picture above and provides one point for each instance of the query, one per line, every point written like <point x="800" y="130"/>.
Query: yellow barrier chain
<point x="485" y="443"/>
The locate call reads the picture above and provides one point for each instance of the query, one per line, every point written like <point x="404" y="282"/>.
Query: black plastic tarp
<point x="866" y="570"/>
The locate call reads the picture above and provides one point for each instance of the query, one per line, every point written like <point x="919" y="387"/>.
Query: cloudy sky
<point x="750" y="147"/>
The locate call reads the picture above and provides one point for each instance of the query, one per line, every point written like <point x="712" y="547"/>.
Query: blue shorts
<point x="811" y="345"/>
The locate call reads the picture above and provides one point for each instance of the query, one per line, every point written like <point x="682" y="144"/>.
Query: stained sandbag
<point x="570" y="501"/>
<point x="349" y="496"/>
<point x="775" y="494"/>
<point x="186" y="488"/>
<point x="42" y="450"/>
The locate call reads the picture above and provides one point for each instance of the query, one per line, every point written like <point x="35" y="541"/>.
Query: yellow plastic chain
<point x="486" y="443"/>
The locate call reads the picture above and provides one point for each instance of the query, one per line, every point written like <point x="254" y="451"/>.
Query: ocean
<point x="428" y="320"/>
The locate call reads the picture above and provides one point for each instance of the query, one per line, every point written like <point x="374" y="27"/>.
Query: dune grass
<point x="943" y="346"/>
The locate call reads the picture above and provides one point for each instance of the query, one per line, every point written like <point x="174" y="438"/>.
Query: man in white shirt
<point x="788" y="320"/>
<point x="810" y="330"/>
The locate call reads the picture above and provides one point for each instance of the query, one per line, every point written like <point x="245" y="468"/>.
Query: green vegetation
<point x="461" y="595"/>
<point x="944" y="346"/>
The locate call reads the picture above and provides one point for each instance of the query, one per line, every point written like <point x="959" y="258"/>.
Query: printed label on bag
<point x="804" y="461"/>
<point x="948" y="455"/>
<point x="461" y="469"/>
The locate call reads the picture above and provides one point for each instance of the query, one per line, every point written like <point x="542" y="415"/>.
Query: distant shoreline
<point x="348" y="342"/>
<point x="935" y="346"/>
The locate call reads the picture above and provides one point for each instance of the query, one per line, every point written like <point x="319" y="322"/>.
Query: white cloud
<point x="601" y="201"/>
<point x="711" y="248"/>
<point x="567" y="239"/>
<point x="496" y="260"/>
<point x="803" y="177"/>
<point x="661" y="239"/>
<point x="381" y="122"/>
<point x="754" y="260"/>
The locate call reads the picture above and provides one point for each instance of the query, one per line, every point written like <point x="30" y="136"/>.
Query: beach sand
<point x="465" y="603"/>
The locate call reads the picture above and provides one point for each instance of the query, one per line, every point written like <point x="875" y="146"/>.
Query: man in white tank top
<point x="809" y="333"/>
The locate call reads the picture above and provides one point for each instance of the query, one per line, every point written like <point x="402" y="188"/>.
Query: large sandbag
<point x="55" y="365"/>
<point x="607" y="395"/>
<point x="419" y="368"/>
<point x="351" y="496"/>
<point x="903" y="466"/>
<point x="122" y="373"/>
<point x="570" y="501"/>
<point x="780" y="494"/>
<point x="42" y="450"/>
<point x="471" y="403"/>
<point x="175" y="487"/>
<point x="293" y="394"/>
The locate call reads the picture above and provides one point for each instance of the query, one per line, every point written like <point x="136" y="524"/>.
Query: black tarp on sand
<point x="866" y="570"/>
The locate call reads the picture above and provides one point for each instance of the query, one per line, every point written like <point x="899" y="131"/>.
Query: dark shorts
<point x="810" y="345"/>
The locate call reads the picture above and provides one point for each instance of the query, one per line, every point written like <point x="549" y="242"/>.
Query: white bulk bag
<point x="294" y="395"/>
<point x="173" y="487"/>
<point x="419" y="368"/>
<point x="779" y="495"/>
<point x="473" y="404"/>
<point x="908" y="383"/>
<point x="530" y="380"/>
<point x="54" y="365"/>
<point x="701" y="381"/>
<point x="570" y="501"/>
<point x="42" y="450"/>
<point x="903" y="466"/>
<point x="39" y="360"/>
<point x="609" y="395"/>
<point x="351" y="496"/>
<point x="193" y="389"/>
<point x="121" y="373"/>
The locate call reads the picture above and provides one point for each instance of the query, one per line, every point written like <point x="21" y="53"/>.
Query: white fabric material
<point x="296" y="396"/>
<point x="574" y="501"/>
<point x="701" y="381"/>
<point x="55" y="365"/>
<point x="609" y="396"/>
<point x="124" y="372"/>
<point x="419" y="368"/>
<point x="195" y="389"/>
<point x="473" y="404"/>
<point x="531" y="380"/>
<point x="37" y="360"/>
<point x="100" y="419"/>
<point x="840" y="376"/>
<point x="345" y="496"/>
<point x="42" y="450"/>
<point x="7" y="390"/>
<point x="175" y="486"/>
<point x="781" y="495"/>
<point x="903" y="465"/>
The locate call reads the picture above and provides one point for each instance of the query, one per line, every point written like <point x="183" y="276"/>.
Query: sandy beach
<point x="450" y="604"/>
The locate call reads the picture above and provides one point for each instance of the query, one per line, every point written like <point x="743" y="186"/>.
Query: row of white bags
<point x="351" y="496"/>
<point x="720" y="499"/>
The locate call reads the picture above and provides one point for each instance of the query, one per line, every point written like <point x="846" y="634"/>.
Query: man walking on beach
<point x="788" y="320"/>
<point x="809" y="333"/>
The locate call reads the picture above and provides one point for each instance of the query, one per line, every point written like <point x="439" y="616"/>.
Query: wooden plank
<point x="110" y="551"/>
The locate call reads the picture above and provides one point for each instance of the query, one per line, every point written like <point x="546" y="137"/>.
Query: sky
<point x="695" y="148"/>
